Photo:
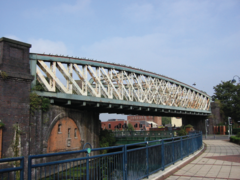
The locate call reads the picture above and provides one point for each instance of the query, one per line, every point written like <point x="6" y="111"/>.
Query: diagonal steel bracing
<point x="104" y="80"/>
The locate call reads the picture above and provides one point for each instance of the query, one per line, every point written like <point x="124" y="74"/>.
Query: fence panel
<point x="12" y="168"/>
<point x="127" y="162"/>
<point x="177" y="150"/>
<point x="168" y="153"/>
<point x="155" y="158"/>
<point x="136" y="163"/>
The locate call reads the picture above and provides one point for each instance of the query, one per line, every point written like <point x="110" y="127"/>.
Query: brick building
<point x="120" y="124"/>
<point x="155" y="119"/>
<point x="113" y="124"/>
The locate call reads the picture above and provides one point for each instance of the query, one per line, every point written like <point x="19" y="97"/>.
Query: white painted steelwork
<point x="116" y="82"/>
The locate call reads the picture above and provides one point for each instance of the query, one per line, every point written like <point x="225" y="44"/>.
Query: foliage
<point x="37" y="102"/>
<point x="188" y="126"/>
<point x="235" y="139"/>
<point x="130" y="127"/>
<point x="182" y="132"/>
<point x="16" y="145"/>
<point x="236" y="130"/>
<point x="238" y="134"/>
<point x="2" y="124"/>
<point x="3" y="74"/>
<point x="227" y="95"/>
<point x="166" y="120"/>
<point x="221" y="124"/>
<point x="106" y="139"/>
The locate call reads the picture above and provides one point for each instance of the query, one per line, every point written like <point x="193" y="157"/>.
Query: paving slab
<point x="220" y="160"/>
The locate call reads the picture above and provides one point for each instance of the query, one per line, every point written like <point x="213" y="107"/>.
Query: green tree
<point x="106" y="139"/>
<point x="166" y="120"/>
<point x="228" y="95"/>
<point x="130" y="127"/>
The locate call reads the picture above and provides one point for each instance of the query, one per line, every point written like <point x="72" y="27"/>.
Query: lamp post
<point x="233" y="80"/>
<point x="206" y="125"/>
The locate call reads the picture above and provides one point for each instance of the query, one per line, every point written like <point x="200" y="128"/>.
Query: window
<point x="109" y="126"/>
<point x="140" y="125"/>
<point x="59" y="128"/>
<point x="75" y="132"/>
<point x="69" y="132"/>
<point x="69" y="142"/>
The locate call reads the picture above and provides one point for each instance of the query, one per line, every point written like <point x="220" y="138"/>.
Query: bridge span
<point x="114" y="88"/>
<point x="79" y="90"/>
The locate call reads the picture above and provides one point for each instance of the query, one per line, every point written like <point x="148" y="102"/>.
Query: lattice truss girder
<point x="87" y="80"/>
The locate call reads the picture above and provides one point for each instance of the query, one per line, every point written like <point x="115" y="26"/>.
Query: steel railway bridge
<point x="114" y="88"/>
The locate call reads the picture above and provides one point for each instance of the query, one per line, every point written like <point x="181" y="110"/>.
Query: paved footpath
<point x="221" y="160"/>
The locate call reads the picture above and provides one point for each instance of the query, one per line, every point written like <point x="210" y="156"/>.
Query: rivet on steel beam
<point x="97" y="105"/>
<point x="83" y="104"/>
<point x="68" y="102"/>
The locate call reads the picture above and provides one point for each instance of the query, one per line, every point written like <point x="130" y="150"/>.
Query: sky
<point x="192" y="41"/>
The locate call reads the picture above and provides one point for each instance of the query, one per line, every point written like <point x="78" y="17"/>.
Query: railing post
<point x="163" y="154"/>
<point x="123" y="149"/>
<point x="181" y="148"/>
<point x="125" y="164"/>
<point x="30" y="168"/>
<point x="87" y="166"/>
<point x="147" y="159"/>
<point x="173" y="151"/>
<point x="88" y="152"/>
<point x="192" y="144"/>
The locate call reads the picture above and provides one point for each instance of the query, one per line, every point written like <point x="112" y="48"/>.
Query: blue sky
<point x="188" y="40"/>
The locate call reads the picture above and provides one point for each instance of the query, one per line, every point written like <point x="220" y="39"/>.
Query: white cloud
<point x="12" y="37"/>
<point x="187" y="61"/>
<point x="47" y="46"/>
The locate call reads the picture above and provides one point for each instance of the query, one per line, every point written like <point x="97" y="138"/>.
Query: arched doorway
<point x="64" y="136"/>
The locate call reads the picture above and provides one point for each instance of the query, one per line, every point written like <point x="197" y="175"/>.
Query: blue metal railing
<point x="13" y="168"/>
<point x="131" y="161"/>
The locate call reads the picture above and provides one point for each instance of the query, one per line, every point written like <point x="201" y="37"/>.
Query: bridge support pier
<point x="198" y="123"/>
<point x="24" y="133"/>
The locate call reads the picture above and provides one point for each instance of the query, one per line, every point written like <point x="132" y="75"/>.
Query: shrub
<point x="236" y="130"/>
<point x="106" y="139"/>
<point x="238" y="134"/>
<point x="235" y="139"/>
<point x="1" y="124"/>
<point x="181" y="132"/>
<point x="188" y="126"/>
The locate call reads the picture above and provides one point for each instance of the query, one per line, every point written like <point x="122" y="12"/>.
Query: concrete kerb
<point x="161" y="175"/>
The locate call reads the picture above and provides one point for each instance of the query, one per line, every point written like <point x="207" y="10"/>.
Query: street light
<point x="233" y="80"/>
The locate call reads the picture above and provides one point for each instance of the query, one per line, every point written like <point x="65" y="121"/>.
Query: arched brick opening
<point x="64" y="136"/>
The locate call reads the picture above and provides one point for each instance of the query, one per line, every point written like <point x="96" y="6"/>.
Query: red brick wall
<point x="158" y="120"/>
<point x="105" y="125"/>
<point x="58" y="141"/>
<point x="140" y="118"/>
